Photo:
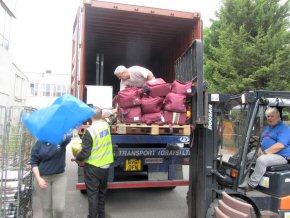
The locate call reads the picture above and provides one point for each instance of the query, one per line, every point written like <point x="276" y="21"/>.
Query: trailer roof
<point x="134" y="29"/>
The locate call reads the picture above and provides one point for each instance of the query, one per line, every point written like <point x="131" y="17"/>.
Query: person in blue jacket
<point x="48" y="167"/>
<point x="275" y="149"/>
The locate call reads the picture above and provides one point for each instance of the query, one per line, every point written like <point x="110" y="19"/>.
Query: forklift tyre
<point x="83" y="191"/>
<point x="210" y="213"/>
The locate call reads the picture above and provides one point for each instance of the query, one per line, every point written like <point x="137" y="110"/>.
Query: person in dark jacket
<point x="97" y="153"/>
<point x="48" y="167"/>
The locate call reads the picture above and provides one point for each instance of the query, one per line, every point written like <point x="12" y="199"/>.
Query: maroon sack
<point x="128" y="97"/>
<point x="180" y="87"/>
<point x="175" y="102"/>
<point x="158" y="87"/>
<point x="175" y="118"/>
<point x="151" y="105"/>
<point x="130" y="115"/>
<point x="156" y="118"/>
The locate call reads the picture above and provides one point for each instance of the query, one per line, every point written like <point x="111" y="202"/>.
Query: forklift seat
<point x="276" y="181"/>
<point x="281" y="167"/>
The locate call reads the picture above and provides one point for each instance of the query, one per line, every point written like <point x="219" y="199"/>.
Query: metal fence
<point x="15" y="172"/>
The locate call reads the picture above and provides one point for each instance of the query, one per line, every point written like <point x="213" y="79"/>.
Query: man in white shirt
<point x="133" y="76"/>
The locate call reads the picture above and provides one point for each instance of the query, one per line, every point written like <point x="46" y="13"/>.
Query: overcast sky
<point x="41" y="35"/>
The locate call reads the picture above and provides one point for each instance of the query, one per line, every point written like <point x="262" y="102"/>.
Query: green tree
<point x="248" y="47"/>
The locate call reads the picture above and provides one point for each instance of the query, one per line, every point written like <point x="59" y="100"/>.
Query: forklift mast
<point x="203" y="156"/>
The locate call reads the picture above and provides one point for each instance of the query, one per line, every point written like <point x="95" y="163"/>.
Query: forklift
<point x="218" y="161"/>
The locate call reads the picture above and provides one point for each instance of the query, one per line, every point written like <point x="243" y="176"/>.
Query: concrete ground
<point x="123" y="203"/>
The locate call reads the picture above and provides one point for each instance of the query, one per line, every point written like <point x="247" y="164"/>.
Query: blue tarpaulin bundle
<point x="50" y="124"/>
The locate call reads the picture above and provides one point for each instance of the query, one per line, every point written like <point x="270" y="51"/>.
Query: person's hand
<point x="114" y="111"/>
<point x="75" y="160"/>
<point x="68" y="135"/>
<point x="260" y="152"/>
<point x="146" y="90"/>
<point x="42" y="183"/>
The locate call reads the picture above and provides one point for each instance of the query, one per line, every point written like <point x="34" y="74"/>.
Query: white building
<point x="13" y="82"/>
<point x="46" y="87"/>
<point x="16" y="88"/>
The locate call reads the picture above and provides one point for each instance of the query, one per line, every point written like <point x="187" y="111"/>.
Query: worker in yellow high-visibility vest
<point x="97" y="153"/>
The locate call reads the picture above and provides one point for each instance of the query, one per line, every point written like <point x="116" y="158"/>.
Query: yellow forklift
<point x="219" y="162"/>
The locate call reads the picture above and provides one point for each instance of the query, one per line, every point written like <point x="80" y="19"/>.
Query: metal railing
<point x="189" y="67"/>
<point x="15" y="171"/>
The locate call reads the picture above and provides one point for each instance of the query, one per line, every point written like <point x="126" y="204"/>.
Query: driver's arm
<point x="274" y="148"/>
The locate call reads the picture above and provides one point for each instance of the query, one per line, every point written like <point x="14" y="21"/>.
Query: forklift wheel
<point x="211" y="211"/>
<point x="83" y="191"/>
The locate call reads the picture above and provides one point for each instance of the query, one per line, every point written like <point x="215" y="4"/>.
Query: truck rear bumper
<point x="140" y="184"/>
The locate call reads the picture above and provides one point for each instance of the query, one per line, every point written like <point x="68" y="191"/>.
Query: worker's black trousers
<point x="96" y="182"/>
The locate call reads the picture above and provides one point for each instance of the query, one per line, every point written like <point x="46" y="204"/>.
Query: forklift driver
<point x="275" y="148"/>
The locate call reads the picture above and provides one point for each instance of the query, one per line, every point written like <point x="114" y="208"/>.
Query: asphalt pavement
<point x="123" y="203"/>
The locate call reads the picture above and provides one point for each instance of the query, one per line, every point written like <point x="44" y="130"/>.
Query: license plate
<point x="133" y="165"/>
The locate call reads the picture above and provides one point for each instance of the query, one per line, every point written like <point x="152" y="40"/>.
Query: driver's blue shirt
<point x="279" y="133"/>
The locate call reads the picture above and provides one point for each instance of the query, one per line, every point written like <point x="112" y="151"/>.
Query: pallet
<point x="153" y="129"/>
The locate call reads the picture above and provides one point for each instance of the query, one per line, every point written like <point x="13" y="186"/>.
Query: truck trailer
<point x="167" y="42"/>
<point x="170" y="44"/>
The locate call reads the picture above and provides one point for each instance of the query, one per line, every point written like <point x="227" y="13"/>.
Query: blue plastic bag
<point x="50" y="124"/>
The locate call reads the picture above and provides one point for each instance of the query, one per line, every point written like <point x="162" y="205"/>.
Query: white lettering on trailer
<point x="147" y="153"/>
<point x="209" y="117"/>
<point x="137" y="153"/>
<point x="287" y="180"/>
<point x="173" y="152"/>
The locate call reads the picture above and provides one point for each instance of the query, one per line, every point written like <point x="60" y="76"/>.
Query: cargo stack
<point x="152" y="101"/>
<point x="158" y="102"/>
<point x="175" y="106"/>
<point x="129" y="105"/>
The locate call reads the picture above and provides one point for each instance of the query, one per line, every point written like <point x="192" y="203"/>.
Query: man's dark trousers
<point x="96" y="182"/>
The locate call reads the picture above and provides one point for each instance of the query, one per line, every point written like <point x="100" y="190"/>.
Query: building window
<point x="36" y="90"/>
<point x="58" y="90"/>
<point x="52" y="90"/>
<point x="63" y="89"/>
<point x="41" y="89"/>
<point x="2" y="19"/>
<point x="32" y="89"/>
<point x="5" y="25"/>
<point x="47" y="90"/>
<point x="5" y="43"/>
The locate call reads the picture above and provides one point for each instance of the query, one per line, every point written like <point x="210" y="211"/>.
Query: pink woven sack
<point x="175" y="118"/>
<point x="158" y="87"/>
<point x="175" y="102"/>
<point x="151" y="105"/>
<point x="153" y="118"/>
<point x="180" y="87"/>
<point x="130" y="115"/>
<point x="129" y="97"/>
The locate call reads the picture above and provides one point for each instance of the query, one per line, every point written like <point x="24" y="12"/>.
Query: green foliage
<point x="248" y="47"/>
